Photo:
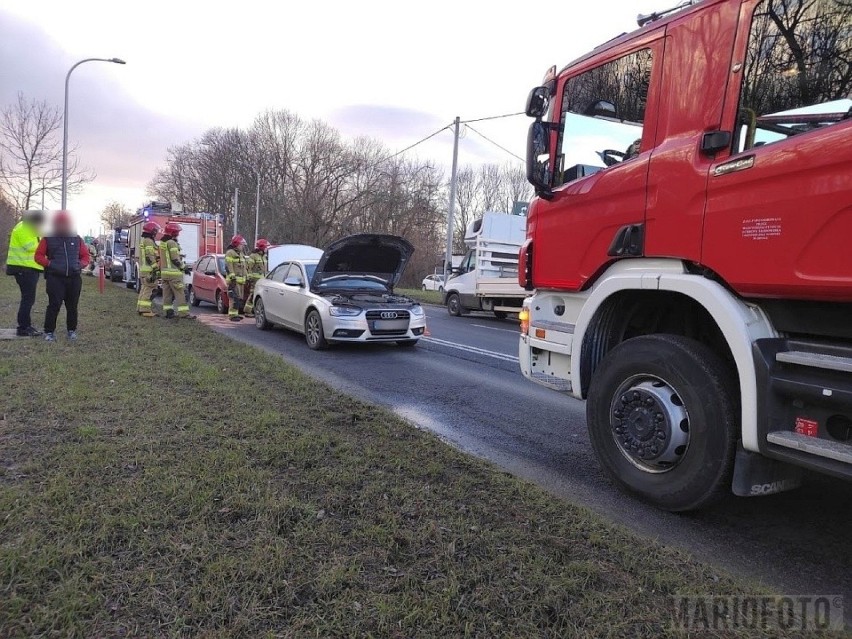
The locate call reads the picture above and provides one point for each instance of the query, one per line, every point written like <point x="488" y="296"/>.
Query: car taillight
<point x="524" y="318"/>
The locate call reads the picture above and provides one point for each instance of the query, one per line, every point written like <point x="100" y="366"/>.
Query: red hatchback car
<point x="208" y="282"/>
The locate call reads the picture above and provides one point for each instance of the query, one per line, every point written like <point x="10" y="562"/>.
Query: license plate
<point x="390" y="325"/>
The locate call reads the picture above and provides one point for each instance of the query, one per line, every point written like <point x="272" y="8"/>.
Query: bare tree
<point x="31" y="154"/>
<point x="7" y="223"/>
<point x="115" y="215"/>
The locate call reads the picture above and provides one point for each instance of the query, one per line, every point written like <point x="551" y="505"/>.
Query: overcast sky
<point x="393" y="70"/>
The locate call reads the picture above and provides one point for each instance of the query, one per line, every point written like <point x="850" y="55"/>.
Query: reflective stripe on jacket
<point x="235" y="265"/>
<point x="170" y="261"/>
<point x="23" y="243"/>
<point x="147" y="255"/>
<point x="256" y="265"/>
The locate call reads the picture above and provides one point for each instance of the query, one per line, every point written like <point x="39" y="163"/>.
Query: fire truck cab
<point x="689" y="247"/>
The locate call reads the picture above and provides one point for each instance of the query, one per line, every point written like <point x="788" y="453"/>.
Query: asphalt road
<point x="463" y="383"/>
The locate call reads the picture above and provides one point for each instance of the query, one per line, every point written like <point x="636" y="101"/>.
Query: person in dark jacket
<point x="64" y="256"/>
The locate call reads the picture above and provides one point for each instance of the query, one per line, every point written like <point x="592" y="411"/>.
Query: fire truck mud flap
<point x="757" y="476"/>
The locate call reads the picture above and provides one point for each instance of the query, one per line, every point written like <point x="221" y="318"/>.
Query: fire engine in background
<point x="689" y="247"/>
<point x="201" y="233"/>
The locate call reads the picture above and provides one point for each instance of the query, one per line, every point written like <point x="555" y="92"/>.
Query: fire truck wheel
<point x="663" y="418"/>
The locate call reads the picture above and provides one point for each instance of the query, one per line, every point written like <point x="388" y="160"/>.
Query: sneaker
<point x="72" y="336"/>
<point x="49" y="337"/>
<point x="32" y="331"/>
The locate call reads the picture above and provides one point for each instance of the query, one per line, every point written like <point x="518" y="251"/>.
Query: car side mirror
<point x="293" y="281"/>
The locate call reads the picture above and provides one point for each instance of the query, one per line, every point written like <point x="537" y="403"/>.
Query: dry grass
<point x="159" y="480"/>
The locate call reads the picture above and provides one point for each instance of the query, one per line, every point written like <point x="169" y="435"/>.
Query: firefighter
<point x="149" y="271"/>
<point x="235" y="267"/>
<point x="256" y="268"/>
<point x="171" y="272"/>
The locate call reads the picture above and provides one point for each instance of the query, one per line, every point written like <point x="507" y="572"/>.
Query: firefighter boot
<point x="170" y="314"/>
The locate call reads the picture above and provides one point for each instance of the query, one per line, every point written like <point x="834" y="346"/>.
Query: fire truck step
<point x="553" y="382"/>
<point x="820" y="447"/>
<point x="816" y="360"/>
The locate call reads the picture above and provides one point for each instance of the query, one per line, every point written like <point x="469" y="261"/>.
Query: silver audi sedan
<point x="344" y="296"/>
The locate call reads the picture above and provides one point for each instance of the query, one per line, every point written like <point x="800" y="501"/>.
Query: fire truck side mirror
<point x="539" y="172"/>
<point x="537" y="102"/>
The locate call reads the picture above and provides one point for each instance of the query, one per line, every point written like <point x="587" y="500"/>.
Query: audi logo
<point x="389" y="315"/>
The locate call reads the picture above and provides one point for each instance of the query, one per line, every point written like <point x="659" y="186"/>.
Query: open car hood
<point x="380" y="256"/>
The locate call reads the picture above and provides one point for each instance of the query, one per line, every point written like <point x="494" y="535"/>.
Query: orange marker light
<point x="540" y="333"/>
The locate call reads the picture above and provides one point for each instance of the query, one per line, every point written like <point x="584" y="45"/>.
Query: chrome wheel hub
<point x="650" y="424"/>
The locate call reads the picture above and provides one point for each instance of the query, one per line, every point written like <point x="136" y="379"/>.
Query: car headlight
<point x="417" y="311"/>
<point x="344" y="311"/>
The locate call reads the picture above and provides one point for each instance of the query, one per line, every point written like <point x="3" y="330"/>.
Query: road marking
<point x="494" y="328"/>
<point x="471" y="349"/>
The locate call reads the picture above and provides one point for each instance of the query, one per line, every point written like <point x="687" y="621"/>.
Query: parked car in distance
<point x="344" y="296"/>
<point x="433" y="283"/>
<point x="208" y="282"/>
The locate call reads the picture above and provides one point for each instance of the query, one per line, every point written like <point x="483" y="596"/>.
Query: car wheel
<point x="138" y="283"/>
<point x="662" y="416"/>
<point x="424" y="287"/>
<point x="454" y="306"/>
<point x="407" y="343"/>
<point x="220" y="303"/>
<point x="131" y="285"/>
<point x="501" y="314"/>
<point x="260" y="316"/>
<point x="193" y="298"/>
<point x="314" y="335"/>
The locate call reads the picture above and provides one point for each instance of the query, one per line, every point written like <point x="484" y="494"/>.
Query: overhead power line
<point x="493" y="117"/>
<point x="419" y="142"/>
<point x="499" y="146"/>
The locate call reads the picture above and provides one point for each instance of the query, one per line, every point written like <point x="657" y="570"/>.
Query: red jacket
<point x="41" y="253"/>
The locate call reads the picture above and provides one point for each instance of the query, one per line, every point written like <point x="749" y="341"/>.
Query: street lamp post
<point x="65" y="123"/>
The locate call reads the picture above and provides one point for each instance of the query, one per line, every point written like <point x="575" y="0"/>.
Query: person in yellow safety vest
<point x="235" y="267"/>
<point x="149" y="271"/>
<point x="256" y="267"/>
<point x="21" y="264"/>
<point x="171" y="274"/>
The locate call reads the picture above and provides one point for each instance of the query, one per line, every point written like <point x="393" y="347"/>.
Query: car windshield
<point x="353" y="282"/>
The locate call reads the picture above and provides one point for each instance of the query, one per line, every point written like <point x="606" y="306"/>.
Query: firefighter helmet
<point x="151" y="227"/>
<point x="172" y="229"/>
<point x="261" y="245"/>
<point x="237" y="240"/>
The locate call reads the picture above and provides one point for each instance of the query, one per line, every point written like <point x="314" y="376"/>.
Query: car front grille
<point x="388" y="322"/>
<point x="377" y="315"/>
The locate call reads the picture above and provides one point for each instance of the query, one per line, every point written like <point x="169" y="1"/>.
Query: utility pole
<point x="257" y="210"/>
<point x="451" y="208"/>
<point x="236" y="209"/>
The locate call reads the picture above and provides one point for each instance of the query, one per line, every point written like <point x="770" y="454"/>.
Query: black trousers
<point x="61" y="289"/>
<point x="27" y="279"/>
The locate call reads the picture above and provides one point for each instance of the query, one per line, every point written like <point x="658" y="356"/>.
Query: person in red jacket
<point x="64" y="255"/>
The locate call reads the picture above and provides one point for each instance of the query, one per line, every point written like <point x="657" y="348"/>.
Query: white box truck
<point x="487" y="278"/>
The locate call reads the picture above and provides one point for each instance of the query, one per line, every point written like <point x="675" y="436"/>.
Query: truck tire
<point x="663" y="417"/>
<point x="454" y="305"/>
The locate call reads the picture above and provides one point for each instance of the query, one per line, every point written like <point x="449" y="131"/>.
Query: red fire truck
<point x="689" y="247"/>
<point x="201" y="233"/>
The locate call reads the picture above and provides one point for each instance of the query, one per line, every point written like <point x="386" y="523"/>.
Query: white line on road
<point x="494" y="328"/>
<point x="471" y="349"/>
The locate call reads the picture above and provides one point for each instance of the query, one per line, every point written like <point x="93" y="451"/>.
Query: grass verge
<point x="160" y="480"/>
<point x="428" y="297"/>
